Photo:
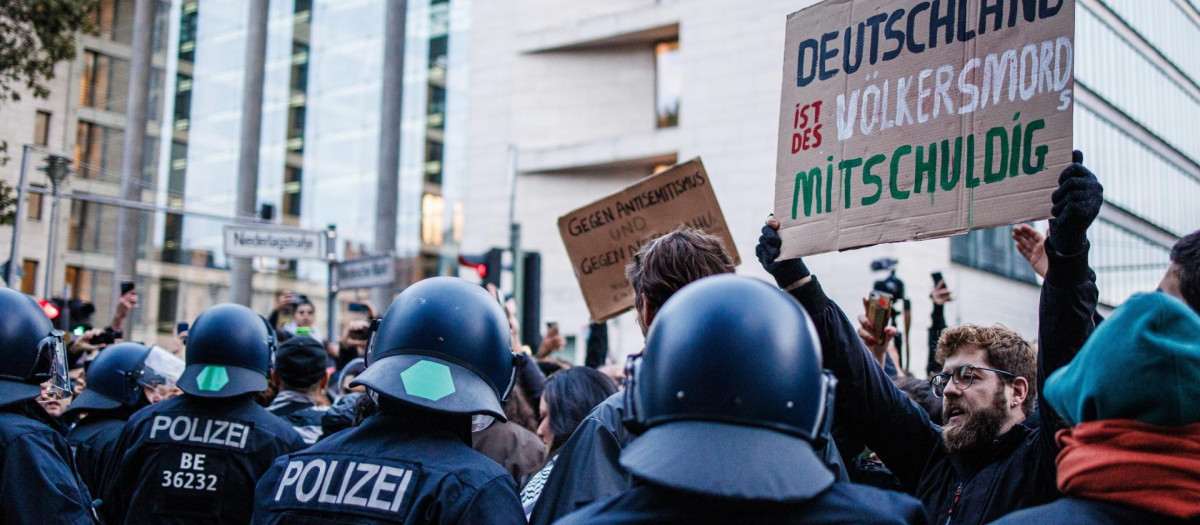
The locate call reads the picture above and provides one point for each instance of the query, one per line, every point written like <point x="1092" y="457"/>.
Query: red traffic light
<point x="51" y="310"/>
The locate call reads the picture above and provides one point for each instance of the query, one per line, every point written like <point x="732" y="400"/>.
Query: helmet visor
<point x="160" y="368"/>
<point x="53" y="349"/>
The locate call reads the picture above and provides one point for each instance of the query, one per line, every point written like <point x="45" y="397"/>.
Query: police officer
<point x="117" y="382"/>
<point x="38" y="481"/>
<point x="440" y="362"/>
<point x="196" y="457"/>
<point x="731" y="398"/>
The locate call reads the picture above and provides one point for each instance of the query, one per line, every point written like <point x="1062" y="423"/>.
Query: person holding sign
<point x="982" y="462"/>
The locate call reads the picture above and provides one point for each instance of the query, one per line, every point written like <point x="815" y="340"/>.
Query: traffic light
<point x="56" y="309"/>
<point x="81" y="314"/>
<point x="486" y="265"/>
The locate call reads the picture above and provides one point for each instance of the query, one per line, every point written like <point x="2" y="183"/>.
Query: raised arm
<point x="1069" y="294"/>
<point x="868" y="404"/>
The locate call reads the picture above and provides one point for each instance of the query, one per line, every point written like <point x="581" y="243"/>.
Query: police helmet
<point x="443" y="345"/>
<point x="114" y="378"/>
<point x="730" y="394"/>
<point x="228" y="353"/>
<point x="32" y="352"/>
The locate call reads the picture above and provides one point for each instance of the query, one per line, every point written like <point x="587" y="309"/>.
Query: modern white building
<point x="596" y="95"/>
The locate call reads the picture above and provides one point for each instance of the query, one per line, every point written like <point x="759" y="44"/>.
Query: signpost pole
<point x="331" y="299"/>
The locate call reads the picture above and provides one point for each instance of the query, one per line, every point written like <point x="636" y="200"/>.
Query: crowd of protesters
<point x="749" y="403"/>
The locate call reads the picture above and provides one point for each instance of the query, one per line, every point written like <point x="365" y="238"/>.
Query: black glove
<point x="786" y="272"/>
<point x="1077" y="202"/>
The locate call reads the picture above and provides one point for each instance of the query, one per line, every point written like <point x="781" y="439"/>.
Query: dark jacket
<point x="38" y="483"/>
<point x="194" y="460"/>
<point x="840" y="503"/>
<point x="1086" y="512"/>
<point x="1017" y="471"/>
<point x="388" y="470"/>
<point x="587" y="467"/>
<point x="94" y="441"/>
<point x="514" y="447"/>
<point x="301" y="412"/>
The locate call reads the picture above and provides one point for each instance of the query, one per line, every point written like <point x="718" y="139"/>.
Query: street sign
<point x="282" y="243"/>
<point x="366" y="272"/>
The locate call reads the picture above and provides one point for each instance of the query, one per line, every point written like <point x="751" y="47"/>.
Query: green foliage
<point x="34" y="36"/>
<point x="8" y="204"/>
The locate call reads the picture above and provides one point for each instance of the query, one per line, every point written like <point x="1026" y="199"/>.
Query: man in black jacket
<point x="1007" y="466"/>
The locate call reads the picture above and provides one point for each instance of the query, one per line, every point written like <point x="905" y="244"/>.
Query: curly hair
<point x="1004" y="349"/>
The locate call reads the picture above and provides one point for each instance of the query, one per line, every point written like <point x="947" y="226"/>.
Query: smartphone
<point x="358" y="307"/>
<point x="181" y="328"/>
<point x="126" y="286"/>
<point x="937" y="278"/>
<point x="879" y="311"/>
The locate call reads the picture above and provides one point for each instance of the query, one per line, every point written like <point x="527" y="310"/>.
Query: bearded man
<point x="984" y="462"/>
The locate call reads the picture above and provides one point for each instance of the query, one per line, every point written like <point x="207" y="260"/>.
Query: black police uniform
<point x="94" y="441"/>
<point x="840" y="503"/>
<point x="440" y="363"/>
<point x="388" y="470"/>
<point x="729" y="410"/>
<point x="195" y="460"/>
<point x="38" y="480"/>
<point x="113" y="393"/>
<point x="38" y="484"/>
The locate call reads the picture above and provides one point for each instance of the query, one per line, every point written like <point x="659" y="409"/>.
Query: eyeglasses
<point x="963" y="376"/>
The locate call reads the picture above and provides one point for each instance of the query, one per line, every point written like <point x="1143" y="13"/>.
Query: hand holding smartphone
<point x="879" y="311"/>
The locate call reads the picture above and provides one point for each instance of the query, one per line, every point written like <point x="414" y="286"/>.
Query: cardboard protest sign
<point x="603" y="237"/>
<point x="910" y="119"/>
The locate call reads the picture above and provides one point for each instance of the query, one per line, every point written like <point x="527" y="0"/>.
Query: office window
<point x="98" y="151"/>
<point x="41" y="128"/>
<point x="992" y="250"/>
<point x="1125" y="263"/>
<point x="293" y="177"/>
<point x="33" y="204"/>
<point x="668" y="83"/>
<point x="168" y="305"/>
<point x="81" y="281"/>
<point x="433" y="219"/>
<point x="104" y="17"/>
<point x="433" y="161"/>
<point x="29" y="281"/>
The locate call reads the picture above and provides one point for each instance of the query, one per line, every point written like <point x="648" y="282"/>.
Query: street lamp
<point x="57" y="168"/>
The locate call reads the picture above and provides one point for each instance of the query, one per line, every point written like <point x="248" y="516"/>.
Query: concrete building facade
<point x="597" y="95"/>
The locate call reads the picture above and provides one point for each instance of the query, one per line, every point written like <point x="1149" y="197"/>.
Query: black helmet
<point x="443" y="345"/>
<point x="731" y="382"/>
<point x="114" y="378"/>
<point x="32" y="352"/>
<point x="228" y="353"/>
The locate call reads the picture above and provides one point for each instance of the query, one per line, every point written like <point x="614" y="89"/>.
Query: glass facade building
<point x="319" y="145"/>
<point x="1138" y="97"/>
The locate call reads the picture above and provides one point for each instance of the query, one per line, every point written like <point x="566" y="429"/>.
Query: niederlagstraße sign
<point x="282" y="243"/>
<point x="366" y="272"/>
